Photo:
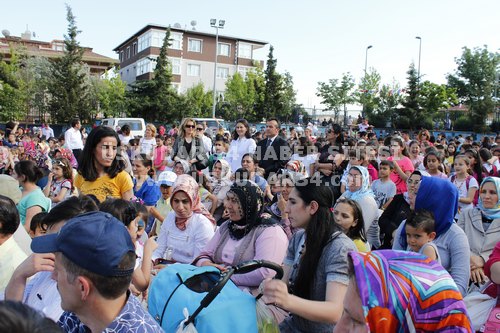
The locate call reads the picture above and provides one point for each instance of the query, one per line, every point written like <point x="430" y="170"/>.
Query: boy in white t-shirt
<point x="383" y="187"/>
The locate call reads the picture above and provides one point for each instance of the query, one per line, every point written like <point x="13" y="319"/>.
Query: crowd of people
<point x="396" y="233"/>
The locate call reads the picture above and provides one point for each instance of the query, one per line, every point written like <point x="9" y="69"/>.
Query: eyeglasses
<point x="189" y="126"/>
<point x="199" y="129"/>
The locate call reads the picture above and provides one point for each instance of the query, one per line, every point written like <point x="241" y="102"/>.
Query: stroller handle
<point x="251" y="265"/>
<point x="244" y="267"/>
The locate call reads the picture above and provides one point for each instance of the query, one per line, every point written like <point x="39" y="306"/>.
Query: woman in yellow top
<point x="100" y="169"/>
<point x="347" y="214"/>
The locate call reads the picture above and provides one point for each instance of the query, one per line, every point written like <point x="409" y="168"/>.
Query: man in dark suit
<point x="272" y="152"/>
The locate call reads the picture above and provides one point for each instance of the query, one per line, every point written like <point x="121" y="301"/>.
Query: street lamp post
<point x="366" y="68"/>
<point x="419" y="55"/>
<point x="213" y="24"/>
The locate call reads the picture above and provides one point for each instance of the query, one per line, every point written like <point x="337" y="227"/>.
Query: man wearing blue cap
<point x="94" y="262"/>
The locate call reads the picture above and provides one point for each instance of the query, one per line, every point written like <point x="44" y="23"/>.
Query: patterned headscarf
<point x="365" y="185"/>
<point x="188" y="185"/>
<point x="68" y="154"/>
<point x="408" y="292"/>
<point x="225" y="177"/>
<point x="185" y="165"/>
<point x="491" y="213"/>
<point x="251" y="199"/>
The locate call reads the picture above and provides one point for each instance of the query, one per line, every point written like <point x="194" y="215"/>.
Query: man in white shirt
<point x="73" y="138"/>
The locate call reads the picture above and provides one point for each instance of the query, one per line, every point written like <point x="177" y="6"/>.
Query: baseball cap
<point x="167" y="178"/>
<point x="95" y="241"/>
<point x="9" y="187"/>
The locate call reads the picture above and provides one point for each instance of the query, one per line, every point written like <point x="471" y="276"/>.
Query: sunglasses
<point x="199" y="129"/>
<point x="59" y="163"/>
<point x="189" y="126"/>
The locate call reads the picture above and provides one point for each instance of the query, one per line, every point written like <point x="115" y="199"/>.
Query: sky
<point x="314" y="40"/>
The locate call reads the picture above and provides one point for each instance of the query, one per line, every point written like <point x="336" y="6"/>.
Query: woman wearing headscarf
<point x="181" y="167"/>
<point x="440" y="197"/>
<point x="247" y="235"/>
<point x="188" y="228"/>
<point x="482" y="227"/>
<point x="220" y="182"/>
<point x="358" y="189"/>
<point x="395" y="291"/>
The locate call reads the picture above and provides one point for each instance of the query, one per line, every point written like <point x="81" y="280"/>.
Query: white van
<point x="137" y="125"/>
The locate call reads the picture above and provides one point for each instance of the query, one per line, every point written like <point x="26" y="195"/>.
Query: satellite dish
<point x="177" y="25"/>
<point x="193" y="24"/>
<point x="6" y="33"/>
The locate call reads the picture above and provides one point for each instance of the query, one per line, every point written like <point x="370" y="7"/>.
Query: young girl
<point x="403" y="167"/>
<point x="416" y="158"/>
<point x="347" y="214"/>
<point x="420" y="233"/>
<point x="208" y="199"/>
<point x="432" y="162"/>
<point x="145" y="187"/>
<point x="220" y="147"/>
<point x="476" y="167"/>
<point x="126" y="212"/>
<point x="60" y="181"/>
<point x="466" y="185"/>
<point x="250" y="163"/>
<point x="148" y="142"/>
<point x="452" y="150"/>
<point x="160" y="155"/>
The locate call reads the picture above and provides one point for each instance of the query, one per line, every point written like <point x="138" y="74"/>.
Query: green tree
<point x="272" y="94"/>
<point x="336" y="95"/>
<point x="199" y="101"/>
<point x="109" y="94"/>
<point x="410" y="113"/>
<point x="436" y="97"/>
<point x="36" y="73"/>
<point x="388" y="100"/>
<point x="474" y="81"/>
<point x="12" y="92"/>
<point x="69" y="92"/>
<point x="288" y="97"/>
<point x="367" y="92"/>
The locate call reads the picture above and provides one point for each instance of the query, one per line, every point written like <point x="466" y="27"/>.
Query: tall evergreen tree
<point x="156" y="99"/>
<point x="272" y="93"/>
<point x="69" y="91"/>
<point x="411" y="105"/>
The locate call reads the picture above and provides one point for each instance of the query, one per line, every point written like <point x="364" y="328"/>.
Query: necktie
<point x="269" y="142"/>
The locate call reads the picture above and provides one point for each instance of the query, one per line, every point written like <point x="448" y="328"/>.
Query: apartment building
<point x="98" y="64"/>
<point x="191" y="53"/>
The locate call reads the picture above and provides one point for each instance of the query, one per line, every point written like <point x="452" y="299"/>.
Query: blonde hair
<point x="182" y="132"/>
<point x="152" y="128"/>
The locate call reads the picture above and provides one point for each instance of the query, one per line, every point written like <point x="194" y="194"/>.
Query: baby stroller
<point x="205" y="297"/>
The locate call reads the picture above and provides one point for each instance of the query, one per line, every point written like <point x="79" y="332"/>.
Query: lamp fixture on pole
<point x="213" y="24"/>
<point x="366" y="68"/>
<point x="419" y="55"/>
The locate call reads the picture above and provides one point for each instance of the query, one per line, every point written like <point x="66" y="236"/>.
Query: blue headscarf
<point x="365" y="185"/>
<point x="491" y="213"/>
<point x="440" y="197"/>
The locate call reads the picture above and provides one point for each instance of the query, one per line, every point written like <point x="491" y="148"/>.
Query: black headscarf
<point x="251" y="201"/>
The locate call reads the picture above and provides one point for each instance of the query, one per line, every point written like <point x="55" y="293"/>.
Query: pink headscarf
<point x="188" y="185"/>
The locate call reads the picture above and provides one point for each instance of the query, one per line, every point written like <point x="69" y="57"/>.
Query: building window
<point x="128" y="52"/>
<point x="121" y="56"/>
<point x="224" y="49"/>
<point x="194" y="45"/>
<point x="244" y="71"/>
<point x="144" y="66"/>
<point x="193" y="70"/>
<point x="157" y="38"/>
<point x="176" y="65"/>
<point x="177" y="87"/>
<point x="134" y="49"/>
<point x="245" y="50"/>
<point x="144" y="41"/>
<point x="222" y="72"/>
<point x="176" y="41"/>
